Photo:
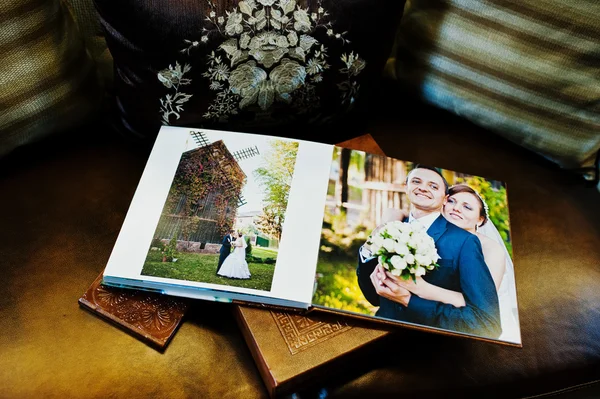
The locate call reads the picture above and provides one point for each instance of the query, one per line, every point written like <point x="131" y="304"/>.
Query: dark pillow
<point x="88" y="23"/>
<point x="246" y="65"/>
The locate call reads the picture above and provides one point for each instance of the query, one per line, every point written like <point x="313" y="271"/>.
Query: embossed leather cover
<point x="291" y="349"/>
<point x="149" y="316"/>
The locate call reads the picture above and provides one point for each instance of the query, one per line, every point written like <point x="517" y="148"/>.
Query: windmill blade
<point x="246" y="153"/>
<point x="200" y="139"/>
<point x="241" y="201"/>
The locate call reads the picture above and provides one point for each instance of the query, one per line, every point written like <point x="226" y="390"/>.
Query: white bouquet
<point x="406" y="250"/>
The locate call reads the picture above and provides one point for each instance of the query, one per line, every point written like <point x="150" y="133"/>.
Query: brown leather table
<point x="63" y="202"/>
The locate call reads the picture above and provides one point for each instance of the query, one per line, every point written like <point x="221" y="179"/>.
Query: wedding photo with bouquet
<point x="421" y="245"/>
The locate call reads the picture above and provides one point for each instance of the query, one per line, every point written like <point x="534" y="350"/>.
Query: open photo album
<point x="227" y="216"/>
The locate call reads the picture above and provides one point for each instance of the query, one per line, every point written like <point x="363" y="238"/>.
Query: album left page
<point x="225" y="216"/>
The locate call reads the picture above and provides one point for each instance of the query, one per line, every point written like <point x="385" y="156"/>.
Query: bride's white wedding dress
<point x="507" y="293"/>
<point x="235" y="265"/>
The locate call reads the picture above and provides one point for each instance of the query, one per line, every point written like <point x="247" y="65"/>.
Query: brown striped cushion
<point x="47" y="79"/>
<point x="527" y="69"/>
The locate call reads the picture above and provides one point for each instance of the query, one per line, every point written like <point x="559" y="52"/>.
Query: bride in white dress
<point x="465" y="208"/>
<point x="235" y="265"/>
<point x="507" y="291"/>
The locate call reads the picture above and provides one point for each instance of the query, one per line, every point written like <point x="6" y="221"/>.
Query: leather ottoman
<point x="63" y="202"/>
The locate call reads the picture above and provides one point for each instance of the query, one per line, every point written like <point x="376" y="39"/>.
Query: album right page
<point x="417" y="245"/>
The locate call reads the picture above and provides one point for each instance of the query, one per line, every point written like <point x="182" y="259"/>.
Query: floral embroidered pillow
<point x="245" y="65"/>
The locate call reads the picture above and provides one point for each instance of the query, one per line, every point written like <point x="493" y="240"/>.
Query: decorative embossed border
<point x="301" y="332"/>
<point x="149" y="316"/>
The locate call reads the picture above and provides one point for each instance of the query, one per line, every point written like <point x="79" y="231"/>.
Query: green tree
<point x="351" y="164"/>
<point x="248" y="249"/>
<point x="343" y="180"/>
<point x="170" y="250"/>
<point x="275" y="177"/>
<point x="496" y="200"/>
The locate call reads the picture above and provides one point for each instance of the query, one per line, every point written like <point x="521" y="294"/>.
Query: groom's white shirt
<point x="427" y="220"/>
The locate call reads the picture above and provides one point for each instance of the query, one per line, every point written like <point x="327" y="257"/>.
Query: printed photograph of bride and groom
<point x="222" y="219"/>
<point x="419" y="245"/>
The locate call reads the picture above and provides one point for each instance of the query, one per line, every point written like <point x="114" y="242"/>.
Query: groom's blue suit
<point x="463" y="269"/>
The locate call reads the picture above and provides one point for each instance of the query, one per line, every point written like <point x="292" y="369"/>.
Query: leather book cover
<point x="291" y="349"/>
<point x="151" y="317"/>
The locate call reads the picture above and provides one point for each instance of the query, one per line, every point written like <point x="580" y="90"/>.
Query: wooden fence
<point x="384" y="187"/>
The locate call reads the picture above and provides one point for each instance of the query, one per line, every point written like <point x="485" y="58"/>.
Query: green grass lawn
<point x="263" y="253"/>
<point x="203" y="268"/>
<point x="337" y="285"/>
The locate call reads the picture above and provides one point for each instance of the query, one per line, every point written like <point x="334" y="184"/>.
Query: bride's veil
<point x="490" y="230"/>
<point x="244" y="243"/>
<point x="508" y="280"/>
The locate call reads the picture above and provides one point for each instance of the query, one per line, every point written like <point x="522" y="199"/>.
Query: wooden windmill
<point x="206" y="199"/>
<point x="239" y="155"/>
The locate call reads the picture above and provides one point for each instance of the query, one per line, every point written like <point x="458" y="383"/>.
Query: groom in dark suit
<point x="225" y="249"/>
<point x="462" y="268"/>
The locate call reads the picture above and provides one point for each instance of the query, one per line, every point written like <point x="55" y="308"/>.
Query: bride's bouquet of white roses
<point x="405" y="249"/>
